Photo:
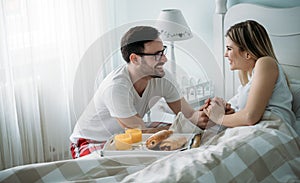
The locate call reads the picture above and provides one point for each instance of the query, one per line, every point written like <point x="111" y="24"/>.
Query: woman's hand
<point x="216" y="110"/>
<point x="228" y="109"/>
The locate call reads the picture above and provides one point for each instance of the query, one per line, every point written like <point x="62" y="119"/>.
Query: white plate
<point x="109" y="148"/>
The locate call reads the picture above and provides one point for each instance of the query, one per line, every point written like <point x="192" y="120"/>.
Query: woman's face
<point x="235" y="56"/>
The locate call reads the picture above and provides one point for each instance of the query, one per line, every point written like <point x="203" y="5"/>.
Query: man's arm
<point x="137" y="121"/>
<point x="199" y="118"/>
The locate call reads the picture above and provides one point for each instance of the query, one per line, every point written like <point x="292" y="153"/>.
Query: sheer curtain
<point x="41" y="44"/>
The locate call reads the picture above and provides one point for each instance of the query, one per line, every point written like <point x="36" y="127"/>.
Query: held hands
<point x="204" y="114"/>
<point x="216" y="110"/>
<point x="228" y="109"/>
<point x="199" y="117"/>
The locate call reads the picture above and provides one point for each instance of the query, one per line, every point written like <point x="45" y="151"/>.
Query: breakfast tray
<point x="140" y="148"/>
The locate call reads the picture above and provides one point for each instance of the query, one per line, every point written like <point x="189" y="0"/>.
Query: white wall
<point x="198" y="14"/>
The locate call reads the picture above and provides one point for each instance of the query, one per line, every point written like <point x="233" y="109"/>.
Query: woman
<point x="264" y="88"/>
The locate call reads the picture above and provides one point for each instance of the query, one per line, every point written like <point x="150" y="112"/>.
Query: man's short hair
<point x="134" y="39"/>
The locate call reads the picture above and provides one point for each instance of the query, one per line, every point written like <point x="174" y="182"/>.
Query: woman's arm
<point x="263" y="82"/>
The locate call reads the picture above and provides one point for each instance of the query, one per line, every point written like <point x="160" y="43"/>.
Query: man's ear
<point x="134" y="58"/>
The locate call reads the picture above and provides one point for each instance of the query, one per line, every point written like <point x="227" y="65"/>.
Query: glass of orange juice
<point x="123" y="141"/>
<point x="135" y="133"/>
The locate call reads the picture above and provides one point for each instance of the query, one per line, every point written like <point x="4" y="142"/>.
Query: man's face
<point x="152" y="65"/>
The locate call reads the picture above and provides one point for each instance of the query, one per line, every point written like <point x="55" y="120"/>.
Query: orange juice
<point x="136" y="134"/>
<point x="123" y="141"/>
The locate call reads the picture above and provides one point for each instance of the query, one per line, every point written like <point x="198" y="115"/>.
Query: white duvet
<point x="266" y="152"/>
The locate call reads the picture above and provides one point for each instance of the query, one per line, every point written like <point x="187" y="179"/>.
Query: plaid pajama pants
<point x="85" y="146"/>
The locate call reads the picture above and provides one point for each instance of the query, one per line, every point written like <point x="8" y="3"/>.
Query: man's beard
<point x="155" y="73"/>
<point x="156" y="76"/>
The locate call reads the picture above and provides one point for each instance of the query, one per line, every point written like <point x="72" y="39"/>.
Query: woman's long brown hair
<point x="252" y="37"/>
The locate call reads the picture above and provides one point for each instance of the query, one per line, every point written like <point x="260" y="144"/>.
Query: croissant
<point x="157" y="137"/>
<point x="173" y="143"/>
<point x="196" y="141"/>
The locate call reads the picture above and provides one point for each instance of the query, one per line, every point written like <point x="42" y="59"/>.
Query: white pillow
<point x="295" y="88"/>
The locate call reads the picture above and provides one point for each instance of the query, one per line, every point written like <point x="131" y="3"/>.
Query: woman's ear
<point x="247" y="55"/>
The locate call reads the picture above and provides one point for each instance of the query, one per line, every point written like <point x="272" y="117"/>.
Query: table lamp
<point x="173" y="27"/>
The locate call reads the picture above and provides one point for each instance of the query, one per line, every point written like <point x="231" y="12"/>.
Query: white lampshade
<point x="172" y="26"/>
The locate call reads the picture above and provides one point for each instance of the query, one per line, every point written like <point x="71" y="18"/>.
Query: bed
<point x="260" y="153"/>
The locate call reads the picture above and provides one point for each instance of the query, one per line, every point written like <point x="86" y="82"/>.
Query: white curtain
<point x="41" y="44"/>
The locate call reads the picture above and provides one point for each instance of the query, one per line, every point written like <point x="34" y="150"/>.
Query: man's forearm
<point x="154" y="130"/>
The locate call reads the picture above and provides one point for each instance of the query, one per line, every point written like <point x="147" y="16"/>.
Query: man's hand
<point x="205" y="105"/>
<point x="199" y="118"/>
<point x="202" y="120"/>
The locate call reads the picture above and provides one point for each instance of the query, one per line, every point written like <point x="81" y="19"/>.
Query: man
<point x="128" y="92"/>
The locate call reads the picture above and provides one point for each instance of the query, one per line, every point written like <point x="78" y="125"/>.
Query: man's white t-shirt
<point x="116" y="98"/>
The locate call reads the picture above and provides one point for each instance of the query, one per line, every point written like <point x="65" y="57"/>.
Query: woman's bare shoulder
<point x="267" y="62"/>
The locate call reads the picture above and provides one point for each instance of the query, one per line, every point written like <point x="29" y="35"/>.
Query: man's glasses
<point x="157" y="55"/>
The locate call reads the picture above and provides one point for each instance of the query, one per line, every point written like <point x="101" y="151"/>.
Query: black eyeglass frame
<point x="157" y="55"/>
